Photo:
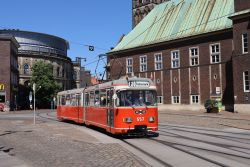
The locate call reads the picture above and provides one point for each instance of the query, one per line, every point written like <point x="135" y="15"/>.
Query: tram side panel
<point x="69" y="109"/>
<point x="96" y="116"/>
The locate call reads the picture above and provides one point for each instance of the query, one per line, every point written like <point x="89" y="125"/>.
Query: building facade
<point x="140" y="8"/>
<point x="42" y="47"/>
<point x="241" y="54"/>
<point x="8" y="72"/>
<point x="192" y="54"/>
<point x="82" y="77"/>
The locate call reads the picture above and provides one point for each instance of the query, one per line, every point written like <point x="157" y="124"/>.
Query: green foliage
<point x="46" y="86"/>
<point x="214" y="106"/>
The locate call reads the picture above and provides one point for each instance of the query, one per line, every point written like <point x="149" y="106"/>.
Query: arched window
<point x="26" y="69"/>
<point x="63" y="73"/>
<point x="58" y="71"/>
<point x="27" y="83"/>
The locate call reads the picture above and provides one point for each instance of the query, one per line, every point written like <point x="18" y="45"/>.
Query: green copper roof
<point x="178" y="19"/>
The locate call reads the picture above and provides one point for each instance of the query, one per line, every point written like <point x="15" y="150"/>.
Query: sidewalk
<point x="10" y="161"/>
<point x="223" y="114"/>
<point x="27" y="111"/>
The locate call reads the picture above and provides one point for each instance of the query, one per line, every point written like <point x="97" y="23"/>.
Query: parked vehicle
<point x="124" y="106"/>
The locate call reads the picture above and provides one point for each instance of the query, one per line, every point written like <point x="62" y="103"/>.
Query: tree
<point x="46" y="86"/>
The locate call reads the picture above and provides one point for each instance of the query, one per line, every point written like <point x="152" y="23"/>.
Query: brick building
<point x="8" y="71"/>
<point x="192" y="50"/>
<point x="241" y="55"/>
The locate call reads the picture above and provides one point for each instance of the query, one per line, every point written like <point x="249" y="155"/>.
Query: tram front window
<point x="136" y="98"/>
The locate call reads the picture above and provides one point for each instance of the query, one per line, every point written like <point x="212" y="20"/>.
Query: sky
<point x="81" y="22"/>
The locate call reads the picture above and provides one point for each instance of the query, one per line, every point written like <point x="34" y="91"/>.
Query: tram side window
<point x="91" y="99"/>
<point x="87" y="99"/>
<point x="150" y="98"/>
<point x="78" y="99"/>
<point x="97" y="98"/>
<point x="110" y="98"/>
<point x="103" y="98"/>
<point x="67" y="100"/>
<point x="63" y="100"/>
<point x="73" y="100"/>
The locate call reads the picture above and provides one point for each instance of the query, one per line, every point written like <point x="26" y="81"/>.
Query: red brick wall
<point x="240" y="26"/>
<point x="5" y="66"/>
<point x="185" y="85"/>
<point x="241" y="5"/>
<point x="241" y="64"/>
<point x="241" y="61"/>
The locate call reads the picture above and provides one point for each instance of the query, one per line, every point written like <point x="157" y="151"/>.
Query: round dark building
<point x="39" y="46"/>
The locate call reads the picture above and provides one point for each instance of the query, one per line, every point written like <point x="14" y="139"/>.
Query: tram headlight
<point x="151" y="119"/>
<point x="128" y="120"/>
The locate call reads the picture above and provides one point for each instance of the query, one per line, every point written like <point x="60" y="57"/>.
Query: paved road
<point x="51" y="143"/>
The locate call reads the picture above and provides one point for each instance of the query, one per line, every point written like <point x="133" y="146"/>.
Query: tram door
<point x="78" y="104"/>
<point x="85" y="106"/>
<point x="110" y="109"/>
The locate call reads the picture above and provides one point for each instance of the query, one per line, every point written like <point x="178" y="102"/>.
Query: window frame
<point x="212" y="54"/>
<point x="26" y="69"/>
<point x="246" y="83"/>
<point x="158" y="61"/>
<point x="143" y="64"/>
<point x="192" y="99"/>
<point x="176" y="100"/>
<point x="159" y="99"/>
<point x="193" y="57"/>
<point x="174" y="59"/>
<point x="129" y="66"/>
<point x="244" y="45"/>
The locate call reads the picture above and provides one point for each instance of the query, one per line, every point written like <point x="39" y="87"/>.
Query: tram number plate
<point x="140" y="119"/>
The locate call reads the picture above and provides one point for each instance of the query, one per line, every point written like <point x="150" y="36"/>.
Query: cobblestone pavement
<point x="200" y="118"/>
<point x="60" y="144"/>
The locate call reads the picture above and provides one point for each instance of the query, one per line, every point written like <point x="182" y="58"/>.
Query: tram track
<point x="169" y="144"/>
<point x="189" y="149"/>
<point x="205" y="116"/>
<point x="207" y="134"/>
<point x="125" y="143"/>
<point x="186" y="149"/>
<point x="147" y="153"/>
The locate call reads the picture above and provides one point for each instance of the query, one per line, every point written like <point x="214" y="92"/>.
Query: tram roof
<point x="118" y="82"/>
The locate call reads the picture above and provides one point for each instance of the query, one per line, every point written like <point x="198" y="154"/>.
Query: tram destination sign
<point x="138" y="84"/>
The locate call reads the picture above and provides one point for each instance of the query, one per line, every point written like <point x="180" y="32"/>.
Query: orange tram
<point x="124" y="106"/>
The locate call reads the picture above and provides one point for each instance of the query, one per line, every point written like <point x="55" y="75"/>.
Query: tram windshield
<point x="136" y="98"/>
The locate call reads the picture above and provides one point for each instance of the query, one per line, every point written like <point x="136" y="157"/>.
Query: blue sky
<point x="88" y="22"/>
